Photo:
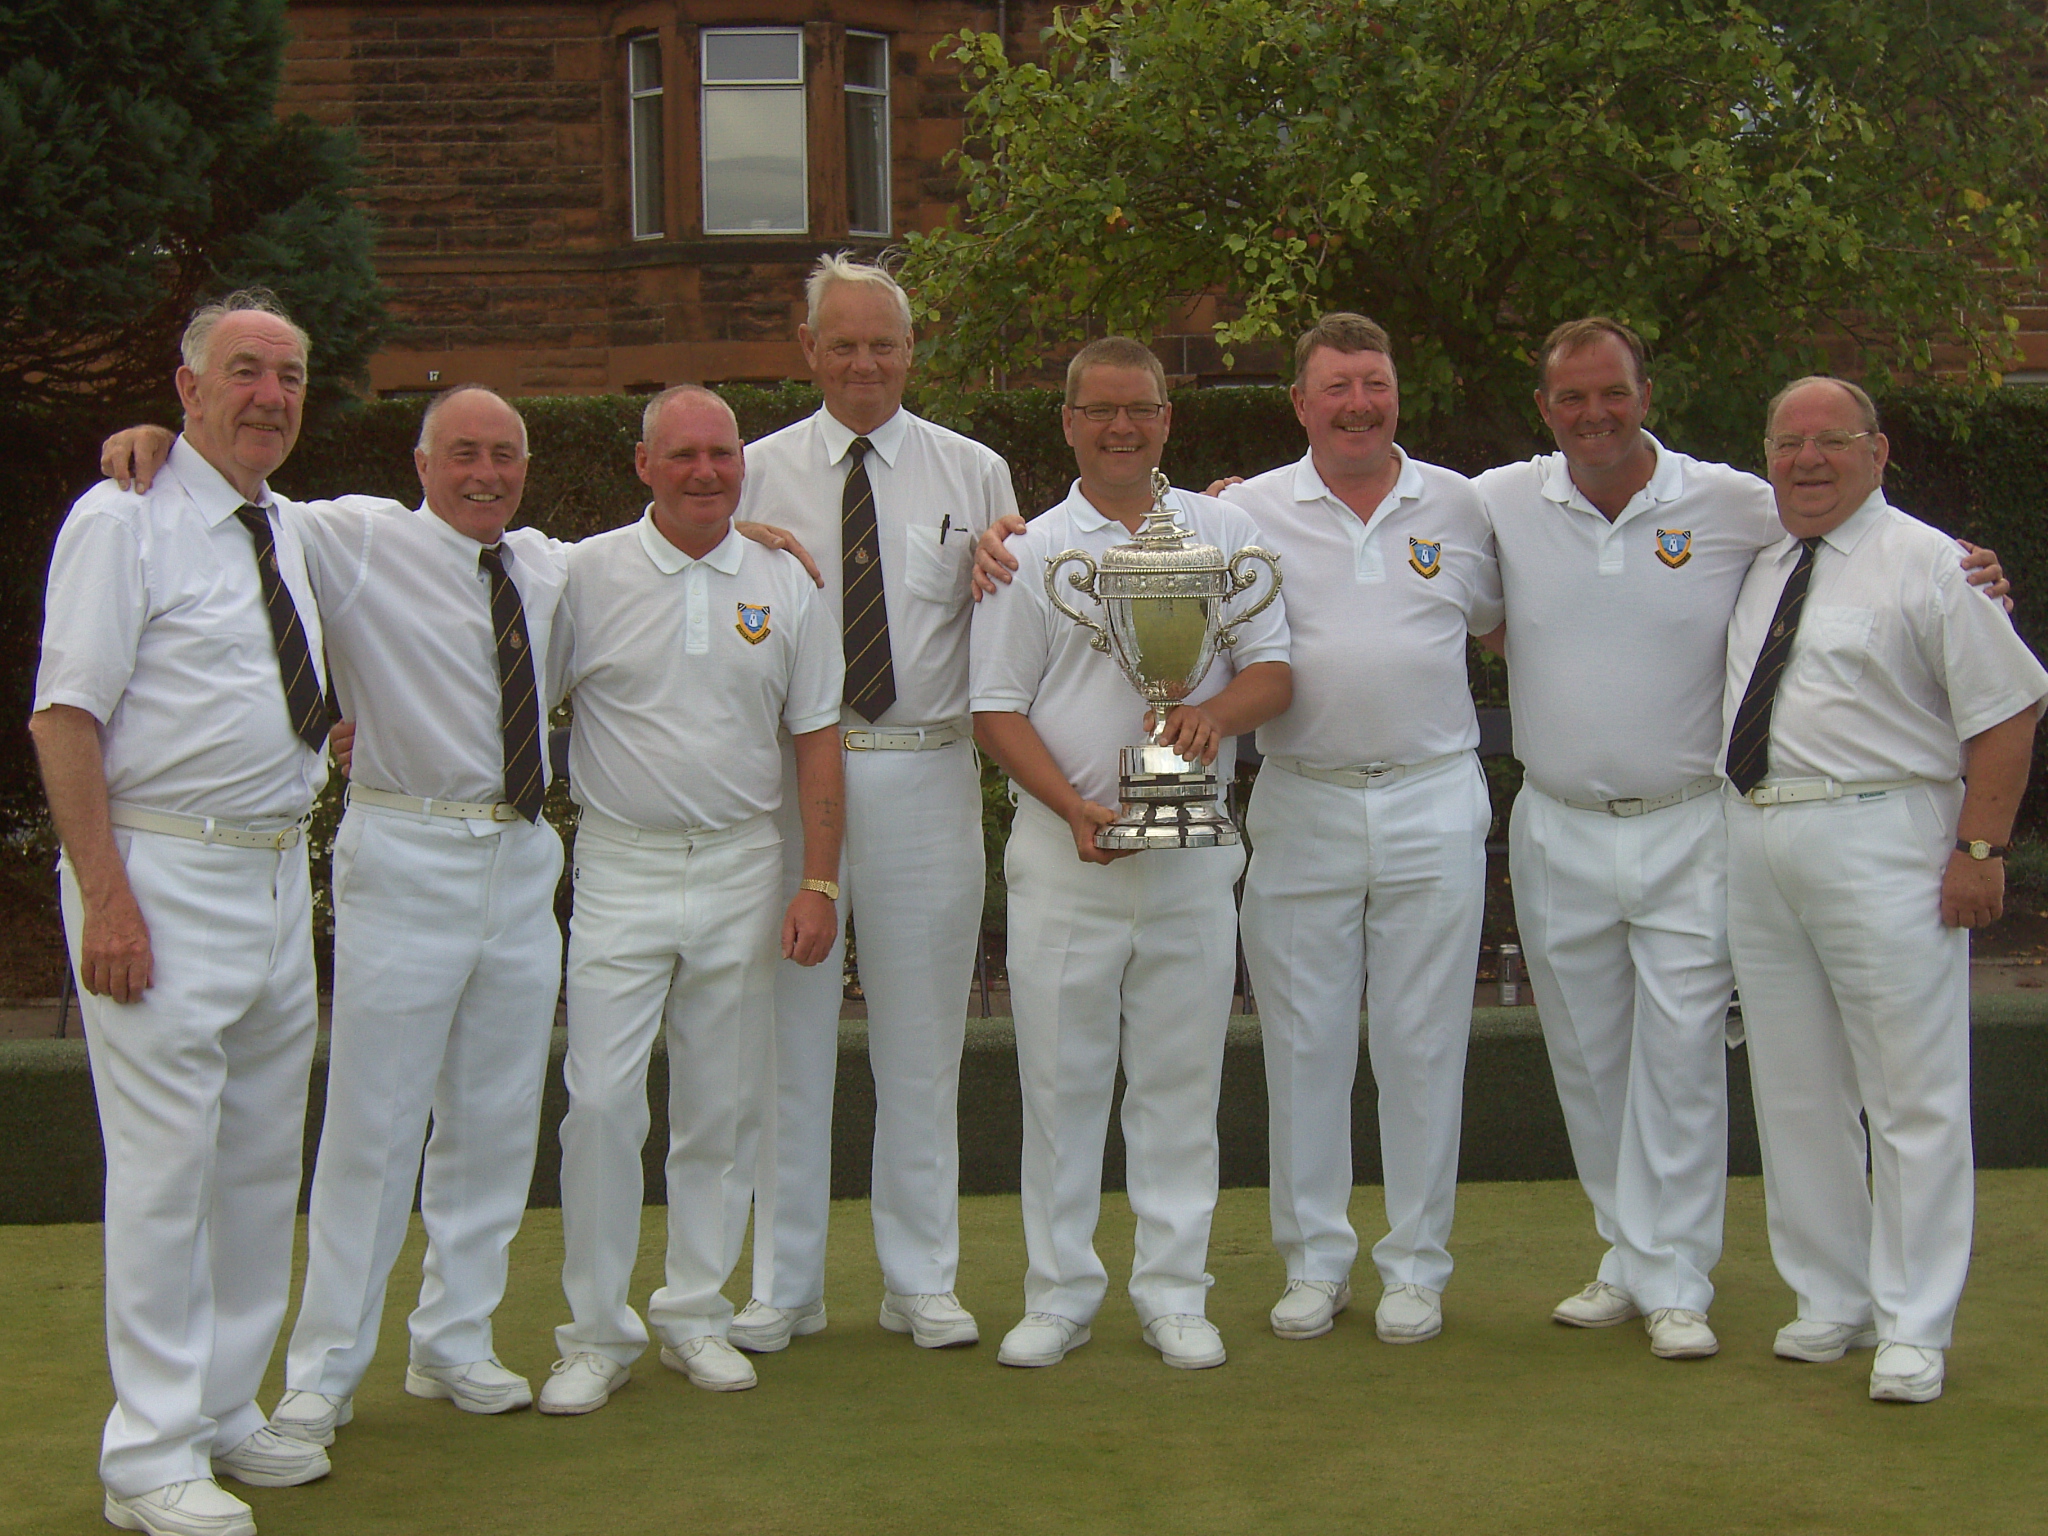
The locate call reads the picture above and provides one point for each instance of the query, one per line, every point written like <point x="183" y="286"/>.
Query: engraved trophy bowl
<point x="1162" y="598"/>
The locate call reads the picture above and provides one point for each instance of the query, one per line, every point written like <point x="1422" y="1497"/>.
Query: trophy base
<point x="1167" y="802"/>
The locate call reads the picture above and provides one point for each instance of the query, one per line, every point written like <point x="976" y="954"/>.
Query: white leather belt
<point x="208" y="829"/>
<point x="918" y="739"/>
<point x="1704" y="785"/>
<point x="1798" y="791"/>
<point x="460" y="810"/>
<point x="1366" y="775"/>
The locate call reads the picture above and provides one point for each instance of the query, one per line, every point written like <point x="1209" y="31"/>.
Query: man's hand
<point x="1218" y="487"/>
<point x="1191" y="731"/>
<point x="341" y="741"/>
<point x="114" y="956"/>
<point x="1084" y="818"/>
<point x="1981" y="566"/>
<point x="993" y="563"/>
<point x="1972" y="891"/>
<point x="809" y="927"/>
<point x="781" y="538"/>
<point x="131" y="458"/>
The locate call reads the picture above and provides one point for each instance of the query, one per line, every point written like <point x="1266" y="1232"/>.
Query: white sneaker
<point x="1308" y="1309"/>
<point x="934" y="1321"/>
<point x="764" y="1330"/>
<point x="711" y="1363"/>
<point x="1599" y="1305"/>
<point x="1042" y="1338"/>
<point x="1408" y="1314"/>
<point x="268" y="1459"/>
<point x="1186" y="1341"/>
<point x="582" y="1383"/>
<point x="1805" y="1339"/>
<point x="1905" y="1373"/>
<point x="1676" y="1333"/>
<point x="481" y="1386"/>
<point x="312" y="1416"/>
<point x="198" y="1508"/>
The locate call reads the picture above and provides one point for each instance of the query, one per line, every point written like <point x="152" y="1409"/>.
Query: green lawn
<point x="1506" y="1423"/>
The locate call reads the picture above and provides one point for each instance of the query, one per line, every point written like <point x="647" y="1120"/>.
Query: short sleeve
<point x="93" y="615"/>
<point x="1009" y="642"/>
<point x="1969" y="643"/>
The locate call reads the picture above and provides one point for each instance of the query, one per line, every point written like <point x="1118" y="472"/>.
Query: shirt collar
<point x="1088" y="518"/>
<point x="1309" y="484"/>
<point x="886" y="440"/>
<point x="1846" y="535"/>
<point x="457" y="541"/>
<point x="670" y="561"/>
<point x="208" y="488"/>
<point x="1667" y="482"/>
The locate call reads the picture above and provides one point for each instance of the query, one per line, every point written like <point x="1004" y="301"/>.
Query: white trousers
<point x="201" y="1087"/>
<point x="1379" y="891"/>
<point x="1857" y="998"/>
<point x="1624" y="926"/>
<point x="447" y="963"/>
<point x="912" y="879"/>
<point x="678" y="929"/>
<point x="1130" y="961"/>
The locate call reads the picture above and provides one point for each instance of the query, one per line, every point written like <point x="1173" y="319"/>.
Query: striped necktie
<point x="518" y="696"/>
<point x="870" y="672"/>
<point x="1749" y="742"/>
<point x="303" y="705"/>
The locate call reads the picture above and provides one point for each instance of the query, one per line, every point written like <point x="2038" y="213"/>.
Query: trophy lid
<point x="1161" y="545"/>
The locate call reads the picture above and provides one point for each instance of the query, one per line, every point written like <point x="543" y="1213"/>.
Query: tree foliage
<point x="1753" y="186"/>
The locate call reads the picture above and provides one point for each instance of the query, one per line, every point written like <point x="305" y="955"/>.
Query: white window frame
<point x="887" y="189"/>
<point x="639" y="154"/>
<point x="799" y="87"/>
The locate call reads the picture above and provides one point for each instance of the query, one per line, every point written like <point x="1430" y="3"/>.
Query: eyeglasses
<point x="1139" y="412"/>
<point x="1785" y="444"/>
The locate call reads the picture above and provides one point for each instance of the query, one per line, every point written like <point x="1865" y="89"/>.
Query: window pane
<point x="754" y="56"/>
<point x="647" y="219"/>
<point x="867" y="163"/>
<point x="867" y="61"/>
<point x="754" y="160"/>
<point x="645" y="53"/>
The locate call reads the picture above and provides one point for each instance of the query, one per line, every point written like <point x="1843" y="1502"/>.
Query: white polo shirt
<point x="683" y="671"/>
<point x="1897" y="661"/>
<point x="936" y="492"/>
<point x="1379" y="611"/>
<point x="155" y="625"/>
<point x="1032" y="660"/>
<point x="1618" y="632"/>
<point x="407" y="610"/>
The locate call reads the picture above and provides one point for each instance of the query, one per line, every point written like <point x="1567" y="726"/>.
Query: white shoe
<point x="268" y="1459"/>
<point x="1408" y="1314"/>
<point x="1677" y="1333"/>
<point x="582" y="1383"/>
<point x="1186" y="1341"/>
<point x="763" y="1330"/>
<point x="482" y="1386"/>
<point x="198" y="1508"/>
<point x="1042" y="1338"/>
<point x="1599" y="1305"/>
<point x="711" y="1363"/>
<point x="1308" y="1309"/>
<point x="934" y="1321"/>
<point x="1905" y="1373"/>
<point x="311" y="1416"/>
<point x="1805" y="1339"/>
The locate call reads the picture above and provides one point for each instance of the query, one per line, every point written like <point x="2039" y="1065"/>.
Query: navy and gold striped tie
<point x="518" y="695"/>
<point x="1749" y="742"/>
<point x="870" y="671"/>
<point x="303" y="704"/>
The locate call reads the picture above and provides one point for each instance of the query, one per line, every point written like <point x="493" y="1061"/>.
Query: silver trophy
<point x="1163" y="596"/>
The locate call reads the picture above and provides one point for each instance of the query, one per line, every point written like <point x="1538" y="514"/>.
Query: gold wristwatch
<point x="829" y="889"/>
<point x="1978" y="849"/>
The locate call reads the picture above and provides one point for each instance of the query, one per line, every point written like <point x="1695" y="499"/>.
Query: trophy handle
<point x="1226" y="636"/>
<point x="1081" y="581"/>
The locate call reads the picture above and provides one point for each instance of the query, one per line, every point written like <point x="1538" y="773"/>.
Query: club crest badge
<point x="1427" y="559"/>
<point x="753" y="623"/>
<point x="1674" y="546"/>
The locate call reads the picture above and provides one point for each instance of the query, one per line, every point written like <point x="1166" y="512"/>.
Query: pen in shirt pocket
<point x="945" y="527"/>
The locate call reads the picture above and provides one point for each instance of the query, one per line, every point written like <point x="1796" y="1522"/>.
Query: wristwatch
<point x="1978" y="849"/>
<point x="829" y="889"/>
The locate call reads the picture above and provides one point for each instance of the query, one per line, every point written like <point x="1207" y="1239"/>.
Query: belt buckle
<point x="1631" y="807"/>
<point x="504" y="811"/>
<point x="1762" y="794"/>
<point x="846" y="739"/>
<point x="288" y="838"/>
<point x="1374" y="772"/>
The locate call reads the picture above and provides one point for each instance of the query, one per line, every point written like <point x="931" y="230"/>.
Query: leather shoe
<point x="1806" y="1339"/>
<point x="582" y="1383"/>
<point x="198" y="1508"/>
<point x="1599" y="1305"/>
<point x="268" y="1459"/>
<point x="311" y="1416"/>
<point x="1042" y="1338"/>
<point x="481" y="1386"/>
<point x="1677" y="1333"/>
<point x="764" y="1330"/>
<point x="1308" y="1309"/>
<point x="933" y="1321"/>
<point x="1905" y="1373"/>
<point x="1408" y="1314"/>
<point x="1185" y="1341"/>
<point x="710" y="1363"/>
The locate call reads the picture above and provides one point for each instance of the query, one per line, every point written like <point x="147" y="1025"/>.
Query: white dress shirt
<point x="682" y="671"/>
<point x="1032" y="660"/>
<point x="155" y="625"/>
<point x="1378" y="643"/>
<point x="1897" y="660"/>
<point x="936" y="492"/>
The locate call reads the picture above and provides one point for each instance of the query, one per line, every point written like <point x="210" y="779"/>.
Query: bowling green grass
<point x="1507" y="1423"/>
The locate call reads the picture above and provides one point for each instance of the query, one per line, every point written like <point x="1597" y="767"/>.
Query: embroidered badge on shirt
<point x="1426" y="558"/>
<point x="753" y="623"/>
<point x="1674" y="546"/>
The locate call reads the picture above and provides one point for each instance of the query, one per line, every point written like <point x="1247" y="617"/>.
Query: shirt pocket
<point x="1836" y="643"/>
<point x="935" y="569"/>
